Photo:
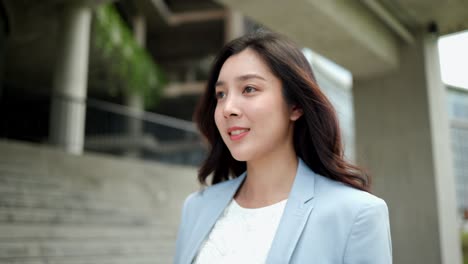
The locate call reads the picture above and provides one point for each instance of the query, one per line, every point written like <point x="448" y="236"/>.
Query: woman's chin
<point x="240" y="156"/>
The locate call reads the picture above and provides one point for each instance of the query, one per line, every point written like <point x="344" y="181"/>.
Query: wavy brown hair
<point x="317" y="138"/>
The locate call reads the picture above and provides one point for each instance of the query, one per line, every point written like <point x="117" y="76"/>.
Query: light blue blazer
<point x="324" y="221"/>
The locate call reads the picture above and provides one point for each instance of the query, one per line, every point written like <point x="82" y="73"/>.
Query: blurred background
<point x="97" y="145"/>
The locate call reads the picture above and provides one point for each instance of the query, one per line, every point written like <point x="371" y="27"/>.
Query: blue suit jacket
<point x="324" y="221"/>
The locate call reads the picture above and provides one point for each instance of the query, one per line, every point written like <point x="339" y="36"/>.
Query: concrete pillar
<point x="135" y="100"/>
<point x="234" y="25"/>
<point x="68" y="109"/>
<point x="402" y="136"/>
<point x="134" y="123"/>
<point x="442" y="155"/>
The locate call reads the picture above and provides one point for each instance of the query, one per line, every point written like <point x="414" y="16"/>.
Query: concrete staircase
<point x="60" y="208"/>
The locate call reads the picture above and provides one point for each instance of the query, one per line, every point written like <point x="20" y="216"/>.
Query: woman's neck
<point x="269" y="180"/>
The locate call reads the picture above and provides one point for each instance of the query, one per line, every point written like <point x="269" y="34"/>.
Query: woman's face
<point x="251" y="113"/>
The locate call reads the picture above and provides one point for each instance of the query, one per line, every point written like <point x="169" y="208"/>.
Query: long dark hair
<point x="317" y="138"/>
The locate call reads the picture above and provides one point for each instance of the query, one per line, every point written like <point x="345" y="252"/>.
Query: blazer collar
<point x="293" y="220"/>
<point x="303" y="188"/>
<point x="296" y="213"/>
<point x="217" y="197"/>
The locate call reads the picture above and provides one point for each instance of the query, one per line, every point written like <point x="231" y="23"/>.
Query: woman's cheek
<point x="217" y="120"/>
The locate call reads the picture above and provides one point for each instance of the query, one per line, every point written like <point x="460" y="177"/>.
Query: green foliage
<point x="465" y="247"/>
<point x="125" y="58"/>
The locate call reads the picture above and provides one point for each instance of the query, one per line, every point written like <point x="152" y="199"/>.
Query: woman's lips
<point x="236" y="133"/>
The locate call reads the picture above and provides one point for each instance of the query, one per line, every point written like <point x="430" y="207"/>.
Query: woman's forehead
<point x="245" y="63"/>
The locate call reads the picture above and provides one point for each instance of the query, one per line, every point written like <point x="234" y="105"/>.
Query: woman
<point x="281" y="190"/>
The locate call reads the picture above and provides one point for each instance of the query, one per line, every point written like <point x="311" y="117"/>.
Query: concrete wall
<point x="61" y="208"/>
<point x="402" y="136"/>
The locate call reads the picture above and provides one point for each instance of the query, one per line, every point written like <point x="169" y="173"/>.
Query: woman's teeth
<point x="237" y="132"/>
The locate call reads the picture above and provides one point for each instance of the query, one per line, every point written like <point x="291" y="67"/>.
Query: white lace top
<point x="241" y="235"/>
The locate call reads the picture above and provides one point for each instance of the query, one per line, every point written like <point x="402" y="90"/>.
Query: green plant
<point x="464" y="238"/>
<point x="126" y="60"/>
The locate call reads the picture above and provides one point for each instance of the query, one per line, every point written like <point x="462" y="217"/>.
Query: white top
<point x="241" y="235"/>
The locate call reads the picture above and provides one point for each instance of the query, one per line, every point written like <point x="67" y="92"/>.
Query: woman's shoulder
<point x="207" y="193"/>
<point x="345" y="206"/>
<point x="339" y="193"/>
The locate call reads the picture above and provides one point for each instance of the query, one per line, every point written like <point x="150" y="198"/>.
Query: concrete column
<point x="135" y="100"/>
<point x="402" y="136"/>
<point x="234" y="25"/>
<point x="134" y="123"/>
<point x="68" y="109"/>
<point x="450" y="246"/>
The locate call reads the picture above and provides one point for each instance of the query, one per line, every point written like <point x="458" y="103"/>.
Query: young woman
<point x="281" y="190"/>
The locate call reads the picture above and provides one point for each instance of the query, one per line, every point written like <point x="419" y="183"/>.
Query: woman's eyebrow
<point x="242" y="78"/>
<point x="219" y="83"/>
<point x="250" y="76"/>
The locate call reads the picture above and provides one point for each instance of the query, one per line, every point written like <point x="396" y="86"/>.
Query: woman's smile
<point x="237" y="133"/>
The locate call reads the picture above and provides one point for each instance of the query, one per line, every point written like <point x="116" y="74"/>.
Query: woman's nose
<point x="231" y="107"/>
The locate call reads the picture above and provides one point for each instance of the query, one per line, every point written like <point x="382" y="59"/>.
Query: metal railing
<point x="121" y="130"/>
<point x="111" y="128"/>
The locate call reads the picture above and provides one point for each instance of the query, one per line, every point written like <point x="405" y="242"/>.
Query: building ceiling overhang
<point x="363" y="36"/>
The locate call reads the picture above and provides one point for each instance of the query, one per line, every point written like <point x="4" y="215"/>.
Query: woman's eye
<point x="220" y="95"/>
<point x="249" y="89"/>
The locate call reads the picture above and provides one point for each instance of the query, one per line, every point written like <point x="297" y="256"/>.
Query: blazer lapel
<point x="296" y="213"/>
<point x="217" y="201"/>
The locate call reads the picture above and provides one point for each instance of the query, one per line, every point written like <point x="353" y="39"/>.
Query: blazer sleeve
<point x="369" y="240"/>
<point x="182" y="234"/>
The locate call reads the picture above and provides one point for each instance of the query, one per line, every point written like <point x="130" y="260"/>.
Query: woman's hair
<point x="317" y="138"/>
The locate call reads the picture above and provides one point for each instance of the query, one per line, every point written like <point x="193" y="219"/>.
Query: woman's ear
<point x="296" y="112"/>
